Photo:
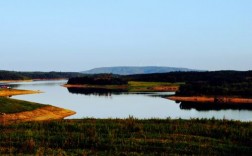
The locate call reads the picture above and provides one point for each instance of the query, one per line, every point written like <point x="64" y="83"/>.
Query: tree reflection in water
<point x="200" y="106"/>
<point x="96" y="91"/>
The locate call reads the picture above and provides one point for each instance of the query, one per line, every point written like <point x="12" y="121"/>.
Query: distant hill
<point x="134" y="70"/>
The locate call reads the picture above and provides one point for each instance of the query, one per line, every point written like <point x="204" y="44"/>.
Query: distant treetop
<point x="101" y="79"/>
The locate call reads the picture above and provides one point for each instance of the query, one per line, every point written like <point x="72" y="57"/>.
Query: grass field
<point x="8" y="105"/>
<point x="127" y="137"/>
<point x="138" y="86"/>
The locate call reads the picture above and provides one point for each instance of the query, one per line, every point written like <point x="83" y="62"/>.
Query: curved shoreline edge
<point x="46" y="112"/>
<point x="12" y="92"/>
<point x="40" y="114"/>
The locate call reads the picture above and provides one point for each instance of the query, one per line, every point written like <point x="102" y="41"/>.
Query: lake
<point x="121" y="105"/>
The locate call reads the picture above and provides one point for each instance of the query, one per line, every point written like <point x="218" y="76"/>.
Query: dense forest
<point x="242" y="89"/>
<point x="13" y="75"/>
<point x="213" y="76"/>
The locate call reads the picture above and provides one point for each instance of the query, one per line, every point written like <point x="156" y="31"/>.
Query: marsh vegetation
<point x="128" y="137"/>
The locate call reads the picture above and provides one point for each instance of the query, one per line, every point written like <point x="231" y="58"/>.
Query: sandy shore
<point x="211" y="99"/>
<point x="11" y="92"/>
<point x="31" y="80"/>
<point x="11" y="81"/>
<point x="40" y="114"/>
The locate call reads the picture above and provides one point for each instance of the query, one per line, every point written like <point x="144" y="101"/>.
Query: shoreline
<point x="211" y="99"/>
<point x="13" y="92"/>
<point x="41" y="114"/>
<point x="30" y="80"/>
<point x="127" y="88"/>
<point x="11" y="81"/>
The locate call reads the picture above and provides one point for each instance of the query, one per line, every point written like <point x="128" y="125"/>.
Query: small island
<point x="117" y="83"/>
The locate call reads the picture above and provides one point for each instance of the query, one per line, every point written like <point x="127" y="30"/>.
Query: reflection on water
<point x="111" y="92"/>
<point x="110" y="104"/>
<point x="96" y="91"/>
<point x="200" y="106"/>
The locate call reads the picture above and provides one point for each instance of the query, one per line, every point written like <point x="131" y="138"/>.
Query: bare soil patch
<point x="11" y="92"/>
<point x="40" y="114"/>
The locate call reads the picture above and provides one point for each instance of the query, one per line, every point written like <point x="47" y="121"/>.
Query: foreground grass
<point x="8" y="105"/>
<point x="127" y="137"/>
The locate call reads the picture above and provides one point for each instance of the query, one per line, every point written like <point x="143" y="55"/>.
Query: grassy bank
<point x="127" y="137"/>
<point x="15" y="111"/>
<point x="8" y="105"/>
<point x="138" y="86"/>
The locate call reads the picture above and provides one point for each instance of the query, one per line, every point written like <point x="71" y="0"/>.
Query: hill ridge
<point x="130" y="70"/>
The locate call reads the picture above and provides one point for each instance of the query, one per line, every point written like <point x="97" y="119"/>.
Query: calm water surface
<point x="149" y="105"/>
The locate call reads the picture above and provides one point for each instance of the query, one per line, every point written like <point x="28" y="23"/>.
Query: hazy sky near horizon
<point x="76" y="35"/>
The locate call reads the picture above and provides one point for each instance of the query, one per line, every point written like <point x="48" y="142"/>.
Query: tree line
<point x="98" y="79"/>
<point x="211" y="76"/>
<point x="13" y="75"/>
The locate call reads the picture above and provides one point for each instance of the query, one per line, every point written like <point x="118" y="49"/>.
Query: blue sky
<point x="75" y="35"/>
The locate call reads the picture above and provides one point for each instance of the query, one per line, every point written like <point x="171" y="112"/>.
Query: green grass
<point x="8" y="105"/>
<point x="135" y="86"/>
<point x="128" y="137"/>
